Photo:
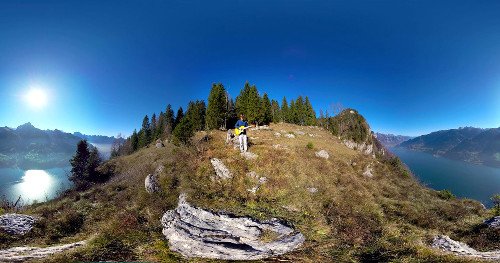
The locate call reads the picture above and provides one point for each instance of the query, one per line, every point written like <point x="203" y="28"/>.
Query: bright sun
<point x="36" y="98"/>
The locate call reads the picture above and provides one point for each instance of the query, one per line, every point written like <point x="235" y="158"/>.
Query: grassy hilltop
<point x="350" y="218"/>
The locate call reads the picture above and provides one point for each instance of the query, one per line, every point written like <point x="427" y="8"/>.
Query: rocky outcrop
<point x="21" y="254"/>
<point x="493" y="222"/>
<point x="16" y="224"/>
<point x="220" y="169"/>
<point x="249" y="155"/>
<point x="322" y="154"/>
<point x="362" y="147"/>
<point x="152" y="183"/>
<point x="447" y="244"/>
<point x="194" y="232"/>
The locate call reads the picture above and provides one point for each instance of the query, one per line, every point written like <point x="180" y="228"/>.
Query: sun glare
<point x="36" y="98"/>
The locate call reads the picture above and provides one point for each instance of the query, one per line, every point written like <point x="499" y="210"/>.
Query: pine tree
<point x="195" y="115"/>
<point x="284" y="111"/>
<point x="292" y="113"/>
<point x="276" y="112"/>
<point x="231" y="116"/>
<point x="153" y="126"/>
<point x="160" y="128"/>
<point x="134" y="140"/>
<point x="183" y="132"/>
<point x="217" y="107"/>
<point x="300" y="111"/>
<point x="267" y="112"/>
<point x="169" y="121"/>
<point x="310" y="118"/>
<point x="84" y="166"/>
<point x="145" y="132"/>
<point x="178" y="116"/>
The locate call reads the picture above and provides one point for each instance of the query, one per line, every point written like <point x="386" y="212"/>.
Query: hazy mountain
<point x="98" y="139"/>
<point x="29" y="147"/>
<point x="391" y="140"/>
<point x="475" y="145"/>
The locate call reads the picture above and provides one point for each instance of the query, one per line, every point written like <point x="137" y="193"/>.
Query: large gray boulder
<point x="447" y="244"/>
<point x="16" y="224"/>
<point x="220" y="169"/>
<point x="194" y="232"/>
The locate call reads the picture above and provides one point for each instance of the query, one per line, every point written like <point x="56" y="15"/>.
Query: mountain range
<point x="391" y="140"/>
<point x="474" y="145"/>
<point x="28" y="147"/>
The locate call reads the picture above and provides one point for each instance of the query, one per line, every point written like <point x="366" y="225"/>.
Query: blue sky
<point x="410" y="67"/>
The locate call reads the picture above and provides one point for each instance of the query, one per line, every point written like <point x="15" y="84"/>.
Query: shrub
<point x="496" y="204"/>
<point x="310" y="146"/>
<point x="69" y="224"/>
<point x="446" y="194"/>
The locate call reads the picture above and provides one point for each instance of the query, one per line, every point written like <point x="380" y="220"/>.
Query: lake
<point x="33" y="185"/>
<point x="461" y="178"/>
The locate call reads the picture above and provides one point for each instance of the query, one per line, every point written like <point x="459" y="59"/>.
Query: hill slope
<point x="480" y="146"/>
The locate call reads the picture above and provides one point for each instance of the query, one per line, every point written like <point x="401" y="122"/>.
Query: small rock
<point x="493" y="222"/>
<point x="300" y="133"/>
<point x="220" y="169"/>
<point x="152" y="184"/>
<point x="277" y="134"/>
<point x="311" y="135"/>
<point x="262" y="180"/>
<point x="249" y="155"/>
<point x="16" y="224"/>
<point x="159" y="169"/>
<point x="322" y="154"/>
<point x="352" y="112"/>
<point x="289" y="135"/>
<point x="280" y="147"/>
<point x="368" y="171"/>
<point x="312" y="190"/>
<point x="159" y="144"/>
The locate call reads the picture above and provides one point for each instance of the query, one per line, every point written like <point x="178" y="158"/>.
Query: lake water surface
<point x="461" y="178"/>
<point x="33" y="185"/>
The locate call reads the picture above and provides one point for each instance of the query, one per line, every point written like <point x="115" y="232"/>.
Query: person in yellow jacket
<point x="240" y="128"/>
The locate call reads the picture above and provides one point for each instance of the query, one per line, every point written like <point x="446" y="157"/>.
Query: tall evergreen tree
<point x="160" y="128"/>
<point x="310" y="118"/>
<point x="300" y="111"/>
<point x="231" y="116"/>
<point x="179" y="116"/>
<point x="266" y="109"/>
<point x="153" y="126"/>
<point x="169" y="120"/>
<point x="134" y="140"/>
<point x="145" y="132"/>
<point x="292" y="113"/>
<point x="276" y="112"/>
<point x="183" y="132"/>
<point x="217" y="107"/>
<point x="195" y="115"/>
<point x="285" y="115"/>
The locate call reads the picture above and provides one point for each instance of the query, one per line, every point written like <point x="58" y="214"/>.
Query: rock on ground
<point x="367" y="149"/>
<point x="16" y="224"/>
<point x="493" y="222"/>
<point x="322" y="154"/>
<point x="289" y="136"/>
<point x="447" y="244"/>
<point x="368" y="171"/>
<point x="152" y="183"/>
<point x="300" y="132"/>
<point x="249" y="155"/>
<point x="194" y="232"/>
<point x="261" y="181"/>
<point x="21" y="254"/>
<point x="159" y="144"/>
<point x="277" y="134"/>
<point x="220" y="169"/>
<point x="312" y="190"/>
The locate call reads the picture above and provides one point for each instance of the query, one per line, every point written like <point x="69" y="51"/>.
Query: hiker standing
<point x="242" y="138"/>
